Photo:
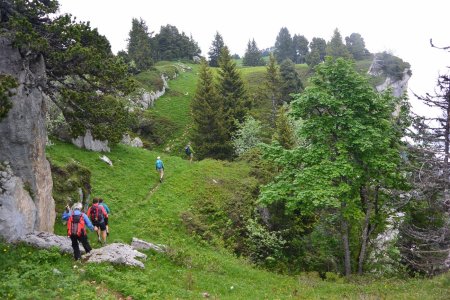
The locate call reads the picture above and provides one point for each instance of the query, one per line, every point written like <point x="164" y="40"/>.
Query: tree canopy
<point x="215" y="50"/>
<point x="283" y="45"/>
<point x="252" y="56"/>
<point x="83" y="76"/>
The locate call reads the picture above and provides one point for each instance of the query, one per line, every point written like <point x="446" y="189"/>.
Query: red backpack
<point x="76" y="225"/>
<point x="96" y="214"/>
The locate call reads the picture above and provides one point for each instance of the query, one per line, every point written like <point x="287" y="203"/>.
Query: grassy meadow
<point x="143" y="208"/>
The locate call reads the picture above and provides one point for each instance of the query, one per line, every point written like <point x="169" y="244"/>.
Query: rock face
<point x="88" y="142"/>
<point x="18" y="212"/>
<point x="138" y="244"/>
<point x="399" y="87"/>
<point x="22" y="143"/>
<point x="117" y="254"/>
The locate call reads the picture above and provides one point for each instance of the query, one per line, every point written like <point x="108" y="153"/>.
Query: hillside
<point x="143" y="208"/>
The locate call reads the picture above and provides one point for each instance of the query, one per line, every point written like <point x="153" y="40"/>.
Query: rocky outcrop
<point x="117" y="254"/>
<point x="88" y="142"/>
<point x="398" y="86"/>
<point x="138" y="244"/>
<point x="136" y="142"/>
<point x="22" y="143"/>
<point x="17" y="209"/>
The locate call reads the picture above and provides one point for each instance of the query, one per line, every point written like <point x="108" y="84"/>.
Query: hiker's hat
<point x="158" y="157"/>
<point x="77" y="205"/>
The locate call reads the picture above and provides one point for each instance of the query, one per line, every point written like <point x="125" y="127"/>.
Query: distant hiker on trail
<point x="97" y="214"/>
<point x="160" y="168"/>
<point x="189" y="151"/>
<point x="76" y="228"/>
<point x="108" y="211"/>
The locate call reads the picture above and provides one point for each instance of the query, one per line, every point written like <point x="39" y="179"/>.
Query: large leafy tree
<point x="232" y="91"/>
<point x="349" y="159"/>
<point x="210" y="136"/>
<point x="301" y="49"/>
<point x="356" y="46"/>
<point x="215" y="50"/>
<point x="336" y="47"/>
<point x="83" y="76"/>
<point x="252" y="56"/>
<point x="290" y="80"/>
<point x="139" y="45"/>
<point x="283" y="45"/>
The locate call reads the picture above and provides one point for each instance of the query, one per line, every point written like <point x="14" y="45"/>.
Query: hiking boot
<point x="107" y="233"/>
<point x="160" y="180"/>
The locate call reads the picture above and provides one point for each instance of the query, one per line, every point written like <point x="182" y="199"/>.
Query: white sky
<point x="401" y="27"/>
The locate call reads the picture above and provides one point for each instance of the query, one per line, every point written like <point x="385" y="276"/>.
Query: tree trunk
<point x="345" y="242"/>
<point x="367" y="206"/>
<point x="446" y="148"/>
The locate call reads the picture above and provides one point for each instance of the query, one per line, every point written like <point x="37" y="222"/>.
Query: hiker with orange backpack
<point x="98" y="214"/>
<point x="76" y="228"/>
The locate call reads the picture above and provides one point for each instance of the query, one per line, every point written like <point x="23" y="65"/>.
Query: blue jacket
<point x="87" y="222"/>
<point x="105" y="207"/>
<point x="159" y="164"/>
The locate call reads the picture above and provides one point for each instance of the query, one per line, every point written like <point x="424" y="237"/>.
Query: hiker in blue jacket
<point x="160" y="168"/>
<point x="77" y="221"/>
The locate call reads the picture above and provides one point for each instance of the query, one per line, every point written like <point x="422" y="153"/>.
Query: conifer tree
<point x="301" y="50"/>
<point x="285" y="129"/>
<point x="215" y="49"/>
<point x="253" y="55"/>
<point x="283" y="45"/>
<point x="272" y="86"/>
<point x="319" y="45"/>
<point x="209" y="136"/>
<point x="290" y="80"/>
<point x="139" y="45"/>
<point x="232" y="91"/>
<point x="356" y="46"/>
<point x="336" y="47"/>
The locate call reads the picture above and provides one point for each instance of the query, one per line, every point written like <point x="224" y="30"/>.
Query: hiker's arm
<point x="66" y="214"/>
<point x="88" y="222"/>
<point x="104" y="212"/>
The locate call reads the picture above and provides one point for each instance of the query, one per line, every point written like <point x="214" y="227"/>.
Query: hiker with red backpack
<point x="76" y="228"/>
<point x="98" y="214"/>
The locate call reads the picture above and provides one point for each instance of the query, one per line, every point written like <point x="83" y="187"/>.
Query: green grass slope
<point x="143" y="208"/>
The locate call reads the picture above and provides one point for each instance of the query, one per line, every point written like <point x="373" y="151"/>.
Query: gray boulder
<point x="117" y="254"/>
<point x="46" y="240"/>
<point x="88" y="142"/>
<point x="138" y="244"/>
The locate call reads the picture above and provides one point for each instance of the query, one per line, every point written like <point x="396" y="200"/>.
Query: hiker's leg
<point x="84" y="241"/>
<point x="102" y="228"/>
<point x="76" y="247"/>
<point x="107" y="227"/>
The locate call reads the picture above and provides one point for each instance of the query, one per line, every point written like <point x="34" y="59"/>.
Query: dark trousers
<point x="76" y="247"/>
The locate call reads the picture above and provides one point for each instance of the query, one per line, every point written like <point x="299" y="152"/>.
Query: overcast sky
<point x="402" y="27"/>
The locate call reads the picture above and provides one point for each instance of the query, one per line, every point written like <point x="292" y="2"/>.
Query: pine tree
<point x="139" y="45"/>
<point x="290" y="80"/>
<point x="209" y="135"/>
<point x="283" y="45"/>
<point x="272" y="86"/>
<point x="253" y="55"/>
<point x="232" y="91"/>
<point x="336" y="47"/>
<point x="301" y="50"/>
<point x="215" y="49"/>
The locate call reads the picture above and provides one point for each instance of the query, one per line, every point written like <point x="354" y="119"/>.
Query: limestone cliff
<point x="22" y="145"/>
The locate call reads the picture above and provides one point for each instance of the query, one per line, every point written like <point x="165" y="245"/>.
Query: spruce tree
<point x="215" y="49"/>
<point x="356" y="46"/>
<point x="301" y="50"/>
<point x="285" y="134"/>
<point x="232" y="91"/>
<point x="209" y="135"/>
<point x="253" y="55"/>
<point x="336" y="47"/>
<point x="272" y="86"/>
<point x="290" y="80"/>
<point x="319" y="45"/>
<point x="139" y="45"/>
<point x="283" y="45"/>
